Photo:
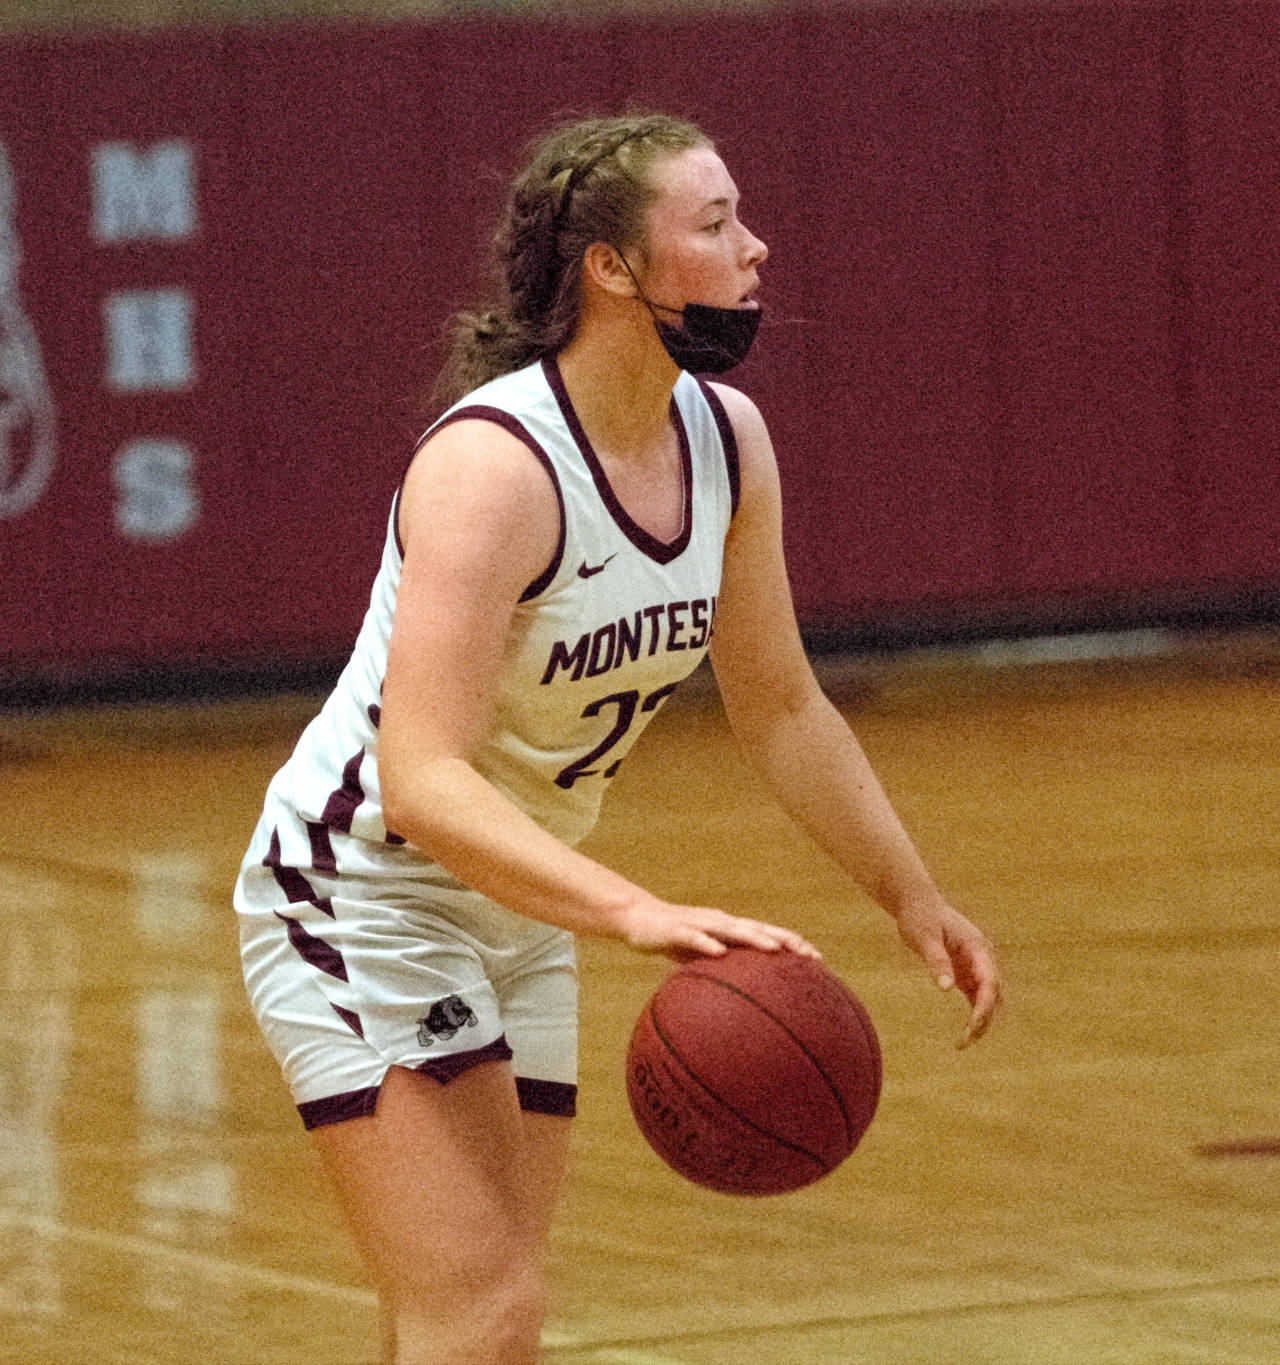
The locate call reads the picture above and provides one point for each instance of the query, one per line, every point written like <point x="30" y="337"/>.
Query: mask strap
<point x="648" y="303"/>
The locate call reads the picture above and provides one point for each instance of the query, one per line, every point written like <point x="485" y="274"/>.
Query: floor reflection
<point x="37" y="1030"/>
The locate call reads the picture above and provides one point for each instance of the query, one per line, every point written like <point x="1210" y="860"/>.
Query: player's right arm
<point x="479" y="521"/>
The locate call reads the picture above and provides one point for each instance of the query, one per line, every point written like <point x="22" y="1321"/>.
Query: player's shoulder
<point x="749" y="429"/>
<point x="477" y="470"/>
<point x="479" y="442"/>
<point x="736" y="404"/>
<point x="504" y="404"/>
<point x="751" y="434"/>
<point x="475" y="432"/>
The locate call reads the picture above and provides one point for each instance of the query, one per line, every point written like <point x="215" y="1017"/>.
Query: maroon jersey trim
<point x="479" y="412"/>
<point x="729" y="440"/>
<point x="660" y="551"/>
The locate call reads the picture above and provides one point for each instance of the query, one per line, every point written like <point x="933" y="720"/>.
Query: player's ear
<point x="603" y="266"/>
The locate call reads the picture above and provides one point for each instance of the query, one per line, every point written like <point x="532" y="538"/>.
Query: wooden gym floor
<point x="1098" y="1182"/>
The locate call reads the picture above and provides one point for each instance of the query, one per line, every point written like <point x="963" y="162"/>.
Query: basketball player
<point x="572" y="537"/>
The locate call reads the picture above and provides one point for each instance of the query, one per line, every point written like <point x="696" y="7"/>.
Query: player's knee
<point x="514" y="1291"/>
<point x="491" y="1311"/>
<point x="515" y="1307"/>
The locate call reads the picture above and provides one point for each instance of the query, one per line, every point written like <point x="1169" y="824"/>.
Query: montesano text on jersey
<point x="597" y="643"/>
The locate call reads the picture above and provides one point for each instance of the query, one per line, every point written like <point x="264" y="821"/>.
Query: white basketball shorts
<point x="349" y="975"/>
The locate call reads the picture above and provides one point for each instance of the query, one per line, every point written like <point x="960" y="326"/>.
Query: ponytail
<point x="587" y="182"/>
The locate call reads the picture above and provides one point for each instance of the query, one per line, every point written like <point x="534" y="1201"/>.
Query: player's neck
<point x="620" y="383"/>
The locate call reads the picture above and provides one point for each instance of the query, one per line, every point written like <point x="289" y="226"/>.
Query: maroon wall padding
<point x="1091" y="489"/>
<point x="1023" y="332"/>
<point x="1227" y="298"/>
<point x="74" y="590"/>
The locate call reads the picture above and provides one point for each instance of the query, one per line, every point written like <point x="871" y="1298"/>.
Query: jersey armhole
<point x="728" y="440"/>
<point x="513" y="425"/>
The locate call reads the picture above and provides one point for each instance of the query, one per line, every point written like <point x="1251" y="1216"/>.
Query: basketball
<point x="753" y="1073"/>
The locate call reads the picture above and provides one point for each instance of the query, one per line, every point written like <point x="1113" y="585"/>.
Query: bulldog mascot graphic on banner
<point x="27" y="434"/>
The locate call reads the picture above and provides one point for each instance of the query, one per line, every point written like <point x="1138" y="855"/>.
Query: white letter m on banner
<point x="141" y="195"/>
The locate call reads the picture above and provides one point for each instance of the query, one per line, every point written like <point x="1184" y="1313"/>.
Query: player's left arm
<point x="802" y="745"/>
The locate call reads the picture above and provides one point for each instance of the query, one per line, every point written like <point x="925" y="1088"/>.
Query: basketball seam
<point x="817" y="1065"/>
<point x="764" y="1132"/>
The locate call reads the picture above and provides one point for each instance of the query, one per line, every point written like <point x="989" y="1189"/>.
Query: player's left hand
<point x="957" y="953"/>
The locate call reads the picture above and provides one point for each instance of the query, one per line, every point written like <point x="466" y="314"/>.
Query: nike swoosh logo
<point x="588" y="571"/>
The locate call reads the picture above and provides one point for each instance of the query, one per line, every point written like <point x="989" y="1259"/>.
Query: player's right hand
<point x="684" y="932"/>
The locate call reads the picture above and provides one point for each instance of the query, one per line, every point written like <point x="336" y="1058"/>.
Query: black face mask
<point x="711" y="340"/>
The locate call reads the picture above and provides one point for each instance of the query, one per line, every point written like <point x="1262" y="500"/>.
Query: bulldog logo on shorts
<point x="444" y="1019"/>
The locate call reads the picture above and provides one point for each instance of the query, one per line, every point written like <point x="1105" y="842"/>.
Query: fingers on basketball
<point x="753" y="933"/>
<point x="705" y="932"/>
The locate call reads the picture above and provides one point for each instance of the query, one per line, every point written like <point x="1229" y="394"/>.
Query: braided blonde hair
<point x="582" y="183"/>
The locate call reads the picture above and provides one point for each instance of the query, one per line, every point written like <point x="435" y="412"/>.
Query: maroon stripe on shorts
<point x="547" y="1097"/>
<point x="446" y="1069"/>
<point x="321" y="955"/>
<point x="288" y="879"/>
<point x="323" y="858"/>
<point x="342" y="804"/>
<point x="348" y="1017"/>
<point x="353" y="1104"/>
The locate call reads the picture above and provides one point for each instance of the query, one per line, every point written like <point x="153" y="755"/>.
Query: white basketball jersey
<point x="596" y="645"/>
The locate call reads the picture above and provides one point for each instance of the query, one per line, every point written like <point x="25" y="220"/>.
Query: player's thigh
<point x="440" y="1184"/>
<point x="546" y="1163"/>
